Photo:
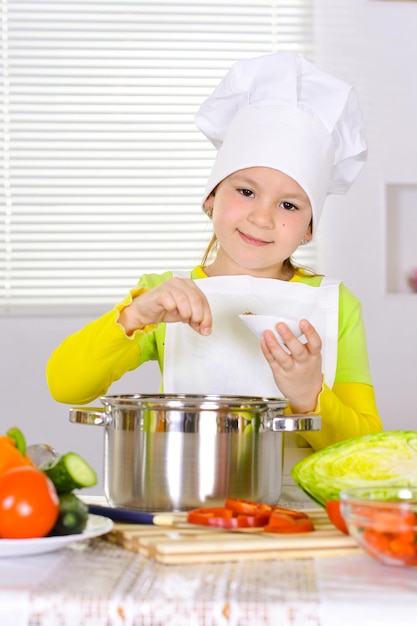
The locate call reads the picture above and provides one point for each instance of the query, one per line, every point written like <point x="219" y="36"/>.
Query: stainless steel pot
<point x="178" y="452"/>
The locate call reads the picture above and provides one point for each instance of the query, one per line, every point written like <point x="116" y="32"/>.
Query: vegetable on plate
<point x="36" y="501"/>
<point x="69" y="472"/>
<point x="73" y="515"/>
<point x="13" y="451"/>
<point x="29" y="504"/>
<point x="384" y="458"/>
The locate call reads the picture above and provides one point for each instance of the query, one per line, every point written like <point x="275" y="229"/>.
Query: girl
<point x="287" y="135"/>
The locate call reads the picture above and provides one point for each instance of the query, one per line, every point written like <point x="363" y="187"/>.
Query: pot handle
<point x="293" y="423"/>
<point x="90" y="415"/>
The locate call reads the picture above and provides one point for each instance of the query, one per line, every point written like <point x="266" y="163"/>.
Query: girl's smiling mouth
<point x="253" y="241"/>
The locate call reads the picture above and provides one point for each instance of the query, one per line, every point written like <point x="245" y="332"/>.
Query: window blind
<point x="102" y="168"/>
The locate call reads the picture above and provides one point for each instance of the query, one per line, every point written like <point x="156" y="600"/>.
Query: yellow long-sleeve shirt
<point x="84" y="366"/>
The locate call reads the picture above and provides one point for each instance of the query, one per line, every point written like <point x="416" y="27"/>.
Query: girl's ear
<point x="307" y="237"/>
<point x="309" y="233"/>
<point x="208" y="202"/>
<point x="208" y="205"/>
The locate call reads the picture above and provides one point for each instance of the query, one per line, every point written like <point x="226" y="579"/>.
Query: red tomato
<point x="29" y="504"/>
<point x="335" y="516"/>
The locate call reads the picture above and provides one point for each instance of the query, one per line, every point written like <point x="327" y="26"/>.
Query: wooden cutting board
<point x="186" y="543"/>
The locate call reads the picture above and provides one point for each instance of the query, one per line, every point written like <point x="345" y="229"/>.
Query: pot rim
<point x="210" y="402"/>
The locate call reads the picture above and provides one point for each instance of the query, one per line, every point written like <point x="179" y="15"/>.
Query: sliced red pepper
<point x="281" y="523"/>
<point x="240" y="521"/>
<point x="204" y="515"/>
<point x="393" y="521"/>
<point x="391" y="533"/>
<point x="280" y="520"/>
<point x="247" y="507"/>
<point x="256" y="521"/>
<point x="289" y="512"/>
<point x="238" y="513"/>
<point x="400" y="547"/>
<point x="221" y="517"/>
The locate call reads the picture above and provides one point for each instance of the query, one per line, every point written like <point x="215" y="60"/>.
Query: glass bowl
<point x="383" y="521"/>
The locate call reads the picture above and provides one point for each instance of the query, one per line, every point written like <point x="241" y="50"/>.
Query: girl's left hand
<point x="299" y="374"/>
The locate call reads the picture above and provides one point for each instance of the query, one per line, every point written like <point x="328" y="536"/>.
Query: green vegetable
<point x="70" y="472"/>
<point x="19" y="439"/>
<point x="380" y="459"/>
<point x="72" y="517"/>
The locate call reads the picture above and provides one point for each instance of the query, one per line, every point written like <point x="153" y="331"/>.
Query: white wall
<point x="25" y="345"/>
<point x="371" y="44"/>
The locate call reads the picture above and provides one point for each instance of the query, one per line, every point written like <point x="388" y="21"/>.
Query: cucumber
<point x="70" y="472"/>
<point x="72" y="517"/>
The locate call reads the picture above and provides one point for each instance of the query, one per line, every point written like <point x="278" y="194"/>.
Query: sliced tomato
<point x="335" y="516"/>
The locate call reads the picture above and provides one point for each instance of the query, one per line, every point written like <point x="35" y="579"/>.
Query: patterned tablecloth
<point x="95" y="583"/>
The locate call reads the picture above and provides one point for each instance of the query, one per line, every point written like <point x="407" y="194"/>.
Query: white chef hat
<point x="280" y="111"/>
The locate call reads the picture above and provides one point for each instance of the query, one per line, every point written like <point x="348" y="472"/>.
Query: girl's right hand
<point x="176" y="300"/>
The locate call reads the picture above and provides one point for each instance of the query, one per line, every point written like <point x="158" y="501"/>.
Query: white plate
<point x="96" y="526"/>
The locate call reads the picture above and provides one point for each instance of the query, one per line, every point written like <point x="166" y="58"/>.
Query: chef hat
<point x="281" y="111"/>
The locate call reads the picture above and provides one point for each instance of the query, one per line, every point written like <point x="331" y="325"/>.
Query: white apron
<point x="230" y="360"/>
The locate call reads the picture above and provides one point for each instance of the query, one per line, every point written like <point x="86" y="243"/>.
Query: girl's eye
<point x="288" y="206"/>
<point x="246" y="192"/>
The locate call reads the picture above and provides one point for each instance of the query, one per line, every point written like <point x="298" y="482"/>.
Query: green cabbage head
<point x="381" y="459"/>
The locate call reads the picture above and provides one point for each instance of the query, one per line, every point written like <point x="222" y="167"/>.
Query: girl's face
<point x="260" y="216"/>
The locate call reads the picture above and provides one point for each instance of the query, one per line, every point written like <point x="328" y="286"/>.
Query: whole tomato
<point x="29" y="504"/>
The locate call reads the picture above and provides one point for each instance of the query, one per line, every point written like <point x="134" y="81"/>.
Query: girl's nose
<point x="261" y="215"/>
